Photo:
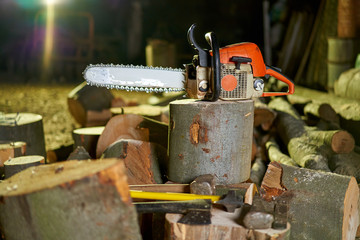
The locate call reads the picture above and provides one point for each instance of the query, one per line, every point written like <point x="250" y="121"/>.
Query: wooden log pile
<point x="301" y="157"/>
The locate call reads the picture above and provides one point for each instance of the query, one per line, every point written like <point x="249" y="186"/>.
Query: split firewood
<point x="131" y="126"/>
<point x="144" y="161"/>
<point x="69" y="200"/>
<point x="88" y="138"/>
<point x="275" y="155"/>
<point x="18" y="164"/>
<point x="26" y="127"/>
<point x="79" y="153"/>
<point x="314" y="195"/>
<point x="86" y="98"/>
<point x="308" y="147"/>
<point x="263" y="115"/>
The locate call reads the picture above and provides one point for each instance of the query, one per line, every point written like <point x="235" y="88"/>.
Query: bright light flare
<point x="49" y="34"/>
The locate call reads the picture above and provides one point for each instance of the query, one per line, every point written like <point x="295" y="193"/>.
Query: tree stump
<point x="26" y="127"/>
<point x="10" y="150"/>
<point x="18" y="164"/>
<point x="144" y="161"/>
<point x="69" y="200"/>
<point x="87" y="138"/>
<point x="322" y="205"/>
<point x="210" y="138"/>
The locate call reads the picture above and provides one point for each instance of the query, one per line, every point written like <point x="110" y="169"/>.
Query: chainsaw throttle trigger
<point x="278" y="75"/>
<point x="203" y="54"/>
<point x="215" y="66"/>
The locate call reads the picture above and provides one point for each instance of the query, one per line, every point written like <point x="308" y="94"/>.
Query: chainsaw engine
<point x="237" y="82"/>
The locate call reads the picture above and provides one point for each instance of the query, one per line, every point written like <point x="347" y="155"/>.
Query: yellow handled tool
<point x="171" y="196"/>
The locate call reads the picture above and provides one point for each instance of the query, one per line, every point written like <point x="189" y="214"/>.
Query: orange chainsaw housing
<point x="252" y="51"/>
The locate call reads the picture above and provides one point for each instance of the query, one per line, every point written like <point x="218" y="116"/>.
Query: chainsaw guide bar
<point x="131" y="78"/>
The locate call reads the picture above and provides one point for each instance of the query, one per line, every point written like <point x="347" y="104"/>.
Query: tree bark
<point x="69" y="200"/>
<point x="145" y="162"/>
<point x="321" y="205"/>
<point x="26" y="127"/>
<point x="275" y="155"/>
<point x="211" y="137"/>
<point x="346" y="164"/>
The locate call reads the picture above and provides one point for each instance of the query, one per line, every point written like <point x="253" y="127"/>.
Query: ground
<point x="49" y="101"/>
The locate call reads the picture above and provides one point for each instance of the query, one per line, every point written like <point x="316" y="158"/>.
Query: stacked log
<point x="69" y="200"/>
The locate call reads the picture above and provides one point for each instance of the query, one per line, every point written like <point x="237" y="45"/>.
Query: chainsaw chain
<point x="131" y="88"/>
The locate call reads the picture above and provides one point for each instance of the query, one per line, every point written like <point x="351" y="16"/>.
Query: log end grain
<point x="342" y="142"/>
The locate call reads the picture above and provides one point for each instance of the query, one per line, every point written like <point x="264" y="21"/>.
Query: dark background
<point x="122" y="29"/>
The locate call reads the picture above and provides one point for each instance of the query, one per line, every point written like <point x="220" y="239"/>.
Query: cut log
<point x="294" y="134"/>
<point x="339" y="141"/>
<point x="59" y="154"/>
<point x="153" y="112"/>
<point x="97" y="202"/>
<point x="88" y="138"/>
<point x="257" y="171"/>
<point x="223" y="226"/>
<point x="322" y="111"/>
<point x="97" y="118"/>
<point x="26" y="127"/>
<point x="275" y="155"/>
<point x="348" y="84"/>
<point x="144" y="161"/>
<point x="211" y="137"/>
<point x="332" y="198"/>
<point x="346" y="164"/>
<point x="132" y="126"/>
<point x="18" y="164"/>
<point x="10" y="150"/>
<point x="263" y="115"/>
<point x="84" y="98"/>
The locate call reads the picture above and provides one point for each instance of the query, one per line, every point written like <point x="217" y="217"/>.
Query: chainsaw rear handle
<point x="278" y="75"/>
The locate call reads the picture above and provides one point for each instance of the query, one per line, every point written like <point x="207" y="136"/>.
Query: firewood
<point x="88" y="138"/>
<point x="144" y="161"/>
<point x="308" y="147"/>
<point x="210" y="138"/>
<point x="10" y="149"/>
<point x="322" y="111"/>
<point x="346" y="164"/>
<point x="258" y="169"/>
<point x="86" y="98"/>
<point x="153" y="112"/>
<point x="275" y="155"/>
<point x="347" y="84"/>
<point x="69" y="200"/>
<point x="322" y="205"/>
<point x="18" y="164"/>
<point x="263" y="115"/>
<point x="26" y="127"/>
<point x="59" y="154"/>
<point x="79" y="153"/>
<point x="132" y="126"/>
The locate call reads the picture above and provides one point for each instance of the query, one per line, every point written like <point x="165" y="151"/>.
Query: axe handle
<point x="171" y="196"/>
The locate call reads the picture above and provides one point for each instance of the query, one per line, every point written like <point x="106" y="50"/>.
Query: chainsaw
<point x="234" y="72"/>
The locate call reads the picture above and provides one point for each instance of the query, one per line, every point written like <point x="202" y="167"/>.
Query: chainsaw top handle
<point x="278" y="75"/>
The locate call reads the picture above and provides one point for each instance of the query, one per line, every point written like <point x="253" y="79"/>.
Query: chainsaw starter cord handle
<point x="215" y="66"/>
<point x="275" y="73"/>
